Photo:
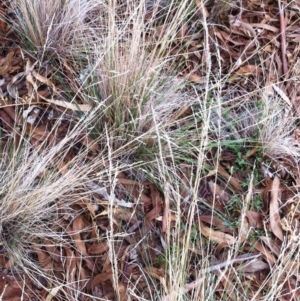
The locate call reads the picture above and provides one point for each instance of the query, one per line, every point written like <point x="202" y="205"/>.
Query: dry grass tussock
<point x="145" y="157"/>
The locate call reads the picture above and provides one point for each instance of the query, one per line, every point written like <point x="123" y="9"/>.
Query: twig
<point x="283" y="38"/>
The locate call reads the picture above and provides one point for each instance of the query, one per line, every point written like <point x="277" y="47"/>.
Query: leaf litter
<point x="30" y="99"/>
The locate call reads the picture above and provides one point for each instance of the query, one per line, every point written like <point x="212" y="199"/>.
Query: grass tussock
<point x="179" y="178"/>
<point x="52" y="29"/>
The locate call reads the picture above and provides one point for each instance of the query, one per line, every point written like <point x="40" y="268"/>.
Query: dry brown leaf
<point x="67" y="105"/>
<point x="89" y="142"/>
<point x="234" y="182"/>
<point x="263" y="250"/>
<point x="3" y="23"/>
<point x="271" y="245"/>
<point x="255" y="219"/>
<point x="157" y="203"/>
<point x="92" y="209"/>
<point x="182" y="32"/>
<point x="62" y="167"/>
<point x="39" y="133"/>
<point x="228" y="289"/>
<point x="157" y="273"/>
<point x="241" y="26"/>
<point x="224" y="36"/>
<point x="12" y="88"/>
<point x="6" y="121"/>
<point x="154" y="213"/>
<point x="100" y="278"/>
<point x="196" y="78"/>
<point x="82" y="275"/>
<point x="250" y="70"/>
<point x="216" y="222"/>
<point x="6" y="63"/>
<point x="9" y="293"/>
<point x="122" y="291"/>
<point x="253" y="266"/>
<point x="17" y="284"/>
<point x="283" y="95"/>
<point x="9" y="264"/>
<point x="203" y="10"/>
<point x="265" y="26"/>
<point x="75" y="230"/>
<point x="48" y="82"/>
<point x="123" y="214"/>
<point x="126" y="181"/>
<point x="70" y="264"/>
<point x="243" y="222"/>
<point x="6" y="106"/>
<point x="172" y="217"/>
<point x="274" y="209"/>
<point x="53" y="251"/>
<point x="166" y="215"/>
<point x="220" y="193"/>
<point x="43" y="257"/>
<point x="53" y="292"/>
<point x="216" y="236"/>
<point x="44" y="80"/>
<point x="98" y="248"/>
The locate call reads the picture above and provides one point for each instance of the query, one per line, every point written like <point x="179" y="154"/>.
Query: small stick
<point x="283" y="38"/>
